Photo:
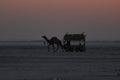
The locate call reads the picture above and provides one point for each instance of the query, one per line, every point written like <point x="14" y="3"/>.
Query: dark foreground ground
<point x="28" y="63"/>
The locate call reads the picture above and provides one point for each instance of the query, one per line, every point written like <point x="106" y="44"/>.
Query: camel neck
<point x="46" y="39"/>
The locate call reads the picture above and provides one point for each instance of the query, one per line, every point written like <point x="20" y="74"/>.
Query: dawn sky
<point x="30" y="19"/>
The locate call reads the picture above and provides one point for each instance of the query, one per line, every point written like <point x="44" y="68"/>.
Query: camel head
<point x="44" y="36"/>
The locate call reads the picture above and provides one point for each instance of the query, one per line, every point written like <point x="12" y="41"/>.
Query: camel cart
<point x="74" y="42"/>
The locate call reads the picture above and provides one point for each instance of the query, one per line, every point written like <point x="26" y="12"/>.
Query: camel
<point x="52" y="42"/>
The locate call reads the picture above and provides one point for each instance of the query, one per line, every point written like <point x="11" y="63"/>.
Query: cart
<point x="74" y="42"/>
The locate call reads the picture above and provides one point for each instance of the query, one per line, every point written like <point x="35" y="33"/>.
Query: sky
<point x="30" y="19"/>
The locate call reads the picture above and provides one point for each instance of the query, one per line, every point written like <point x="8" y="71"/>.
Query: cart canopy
<point x="76" y="37"/>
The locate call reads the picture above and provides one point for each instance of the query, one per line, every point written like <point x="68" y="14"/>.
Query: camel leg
<point x="57" y="47"/>
<point x="62" y="48"/>
<point x="48" y="47"/>
<point x="53" y="48"/>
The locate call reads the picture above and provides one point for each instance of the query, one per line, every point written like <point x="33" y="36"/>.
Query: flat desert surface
<point x="99" y="62"/>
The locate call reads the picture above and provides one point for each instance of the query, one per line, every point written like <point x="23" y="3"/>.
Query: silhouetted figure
<point x="52" y="42"/>
<point x="83" y="36"/>
<point x="68" y="42"/>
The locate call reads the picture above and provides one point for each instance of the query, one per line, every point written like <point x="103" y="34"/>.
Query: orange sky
<point x="84" y="15"/>
<point x="61" y="8"/>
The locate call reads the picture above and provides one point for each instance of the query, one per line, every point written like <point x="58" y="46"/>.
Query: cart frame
<point x="81" y="46"/>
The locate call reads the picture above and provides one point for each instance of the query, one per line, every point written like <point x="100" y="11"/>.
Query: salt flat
<point x="37" y="64"/>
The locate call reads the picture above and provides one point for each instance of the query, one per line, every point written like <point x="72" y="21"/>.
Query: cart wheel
<point x="82" y="48"/>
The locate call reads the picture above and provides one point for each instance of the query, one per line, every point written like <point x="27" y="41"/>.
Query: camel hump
<point x="54" y="38"/>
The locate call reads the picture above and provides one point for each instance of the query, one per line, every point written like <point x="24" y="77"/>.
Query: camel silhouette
<point x="52" y="42"/>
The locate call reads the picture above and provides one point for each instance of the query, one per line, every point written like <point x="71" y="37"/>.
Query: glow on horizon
<point x="62" y="8"/>
<point x="60" y="16"/>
